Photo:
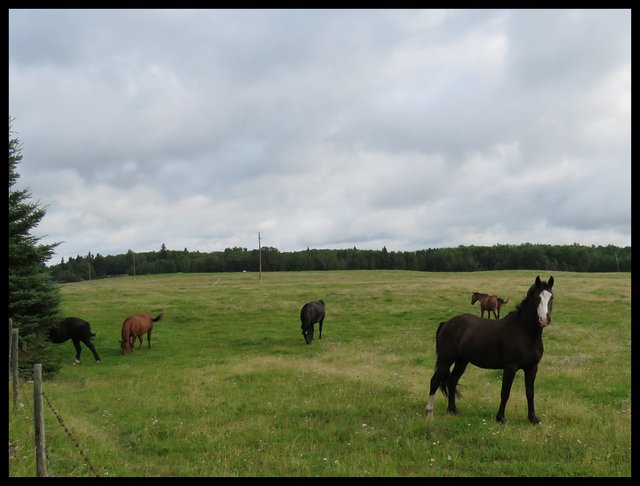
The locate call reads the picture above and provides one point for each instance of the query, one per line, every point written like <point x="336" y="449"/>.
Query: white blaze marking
<point x="543" y="307"/>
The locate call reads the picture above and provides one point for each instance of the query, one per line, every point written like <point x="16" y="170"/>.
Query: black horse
<point x="311" y="313"/>
<point x="511" y="343"/>
<point x="77" y="330"/>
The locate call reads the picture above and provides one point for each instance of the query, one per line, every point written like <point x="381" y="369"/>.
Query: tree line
<point x="573" y="258"/>
<point x="34" y="304"/>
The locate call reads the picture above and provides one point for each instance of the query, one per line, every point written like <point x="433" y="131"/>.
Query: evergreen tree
<point x="33" y="301"/>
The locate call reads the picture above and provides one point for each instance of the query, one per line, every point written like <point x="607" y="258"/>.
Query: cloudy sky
<point x="409" y="129"/>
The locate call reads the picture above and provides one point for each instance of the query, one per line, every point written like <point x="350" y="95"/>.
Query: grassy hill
<point x="229" y="388"/>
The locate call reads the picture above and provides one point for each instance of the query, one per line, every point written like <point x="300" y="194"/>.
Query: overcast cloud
<point x="323" y="128"/>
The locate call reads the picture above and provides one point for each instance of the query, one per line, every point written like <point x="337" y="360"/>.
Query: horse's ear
<point x="550" y="283"/>
<point x="538" y="282"/>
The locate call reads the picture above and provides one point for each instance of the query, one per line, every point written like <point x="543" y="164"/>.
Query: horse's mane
<point x="530" y="292"/>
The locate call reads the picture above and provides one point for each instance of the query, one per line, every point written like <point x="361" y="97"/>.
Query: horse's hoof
<point x="454" y="411"/>
<point x="501" y="420"/>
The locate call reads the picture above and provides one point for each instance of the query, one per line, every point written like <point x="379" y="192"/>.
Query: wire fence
<point x="70" y="435"/>
<point x="19" y="389"/>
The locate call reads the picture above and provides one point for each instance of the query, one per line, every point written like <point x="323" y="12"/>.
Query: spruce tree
<point x="34" y="301"/>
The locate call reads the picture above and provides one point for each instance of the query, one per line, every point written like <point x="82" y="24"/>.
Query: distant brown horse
<point x="134" y="327"/>
<point x="489" y="303"/>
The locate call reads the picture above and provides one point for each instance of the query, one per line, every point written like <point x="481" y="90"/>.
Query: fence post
<point x="14" y="366"/>
<point x="38" y="417"/>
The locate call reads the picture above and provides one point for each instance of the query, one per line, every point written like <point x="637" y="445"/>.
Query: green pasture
<point x="229" y="387"/>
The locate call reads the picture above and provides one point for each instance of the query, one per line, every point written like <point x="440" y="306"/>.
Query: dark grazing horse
<point x="511" y="344"/>
<point x="311" y="313"/>
<point x="489" y="303"/>
<point x="77" y="330"/>
<point x="134" y="327"/>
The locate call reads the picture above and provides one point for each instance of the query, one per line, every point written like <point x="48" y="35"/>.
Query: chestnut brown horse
<point x="489" y="303"/>
<point x="512" y="343"/>
<point x="134" y="327"/>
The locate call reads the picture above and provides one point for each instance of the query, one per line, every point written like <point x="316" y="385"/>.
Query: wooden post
<point x="14" y="366"/>
<point x="38" y="417"/>
<point x="260" y="258"/>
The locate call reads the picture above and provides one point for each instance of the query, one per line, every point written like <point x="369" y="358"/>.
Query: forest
<point x="572" y="258"/>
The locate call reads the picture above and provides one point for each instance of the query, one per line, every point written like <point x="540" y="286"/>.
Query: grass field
<point x="229" y="388"/>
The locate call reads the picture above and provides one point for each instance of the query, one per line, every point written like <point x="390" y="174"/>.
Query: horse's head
<point x="56" y="335"/>
<point x="474" y="298"/>
<point x="307" y="333"/>
<point x="545" y="301"/>
<point x="125" y="346"/>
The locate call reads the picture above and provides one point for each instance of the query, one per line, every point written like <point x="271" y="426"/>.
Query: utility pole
<point x="260" y="258"/>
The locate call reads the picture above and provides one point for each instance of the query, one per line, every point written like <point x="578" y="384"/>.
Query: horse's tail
<point x="443" y="384"/>
<point x="160" y="316"/>
<point x="502" y="301"/>
<point x="445" y="389"/>
<point x="438" y="332"/>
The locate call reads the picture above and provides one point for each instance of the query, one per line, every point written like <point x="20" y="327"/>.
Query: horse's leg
<point x="440" y="374"/>
<point x="453" y="379"/>
<point x="320" y="328"/>
<point x="76" y="344"/>
<point x="529" y="381"/>
<point x="507" y="380"/>
<point x="149" y="338"/>
<point x="90" y="345"/>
